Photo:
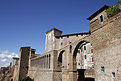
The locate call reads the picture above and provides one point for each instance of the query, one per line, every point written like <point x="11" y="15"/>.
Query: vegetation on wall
<point x="111" y="11"/>
<point x="27" y="79"/>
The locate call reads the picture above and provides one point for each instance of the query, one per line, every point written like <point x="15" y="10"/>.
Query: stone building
<point x="87" y="56"/>
<point x="71" y="58"/>
<point x="106" y="41"/>
<point x="10" y="73"/>
<point x="57" y="63"/>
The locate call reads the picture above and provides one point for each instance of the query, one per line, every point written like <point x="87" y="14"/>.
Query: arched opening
<point x="83" y="61"/>
<point x="60" y="60"/>
<point x="49" y="61"/>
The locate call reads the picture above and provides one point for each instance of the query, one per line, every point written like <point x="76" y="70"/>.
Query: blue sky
<point x="24" y="22"/>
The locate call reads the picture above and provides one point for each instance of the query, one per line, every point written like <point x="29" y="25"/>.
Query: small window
<point x="84" y="47"/>
<point x="85" y="57"/>
<point x="61" y="43"/>
<point x="101" y="19"/>
<point x="78" y="63"/>
<point x="91" y="50"/>
<point x="70" y="49"/>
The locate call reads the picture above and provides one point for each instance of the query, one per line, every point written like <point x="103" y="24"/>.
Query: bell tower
<point x="50" y="39"/>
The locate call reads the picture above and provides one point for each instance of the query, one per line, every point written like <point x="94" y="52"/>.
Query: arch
<point x="79" y="45"/>
<point x="60" y="60"/>
<point x="81" y="70"/>
<point x="60" y="56"/>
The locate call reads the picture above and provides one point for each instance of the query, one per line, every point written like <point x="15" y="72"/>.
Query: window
<point x="61" y="43"/>
<point x="70" y="49"/>
<point x="84" y="47"/>
<point x="91" y="50"/>
<point x="85" y="57"/>
<point x="101" y="19"/>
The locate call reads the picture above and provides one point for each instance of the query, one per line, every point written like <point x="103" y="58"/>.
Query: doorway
<point x="81" y="76"/>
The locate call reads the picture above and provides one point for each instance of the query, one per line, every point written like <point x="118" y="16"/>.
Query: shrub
<point x="27" y="79"/>
<point x="111" y="11"/>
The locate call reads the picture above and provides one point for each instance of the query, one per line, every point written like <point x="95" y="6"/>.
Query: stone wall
<point x="41" y="75"/>
<point x="24" y="62"/>
<point x="106" y="42"/>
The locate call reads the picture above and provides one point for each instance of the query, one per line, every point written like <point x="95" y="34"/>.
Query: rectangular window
<point x="84" y="47"/>
<point x="91" y="50"/>
<point x="85" y="57"/>
<point x="101" y="19"/>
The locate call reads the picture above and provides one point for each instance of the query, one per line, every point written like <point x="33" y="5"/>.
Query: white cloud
<point x="3" y="55"/>
<point x="3" y="60"/>
<point x="6" y="57"/>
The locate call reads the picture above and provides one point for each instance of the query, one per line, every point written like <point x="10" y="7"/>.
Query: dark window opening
<point x="101" y="18"/>
<point x="27" y="67"/>
<point x="85" y="57"/>
<point x="70" y="49"/>
<point x="84" y="47"/>
<point x="61" y="43"/>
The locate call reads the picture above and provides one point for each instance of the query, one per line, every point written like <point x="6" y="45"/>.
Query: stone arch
<point x="60" y="60"/>
<point x="80" y="71"/>
<point x="80" y="44"/>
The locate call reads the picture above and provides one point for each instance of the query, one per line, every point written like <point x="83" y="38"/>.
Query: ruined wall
<point x="24" y="62"/>
<point x="106" y="42"/>
<point x="16" y="73"/>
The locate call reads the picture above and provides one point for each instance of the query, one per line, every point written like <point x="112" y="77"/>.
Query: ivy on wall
<point x="111" y="11"/>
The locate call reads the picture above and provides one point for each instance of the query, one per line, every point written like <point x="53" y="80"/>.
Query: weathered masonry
<point x="62" y="54"/>
<point x="88" y="56"/>
<point x="106" y="41"/>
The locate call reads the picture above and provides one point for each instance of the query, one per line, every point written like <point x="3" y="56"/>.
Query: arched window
<point x="49" y="60"/>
